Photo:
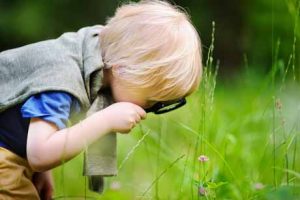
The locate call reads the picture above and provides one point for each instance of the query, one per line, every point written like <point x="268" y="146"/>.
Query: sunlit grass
<point x="158" y="157"/>
<point x="247" y="127"/>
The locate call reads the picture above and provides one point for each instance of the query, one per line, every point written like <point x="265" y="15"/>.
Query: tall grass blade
<point x="160" y="175"/>
<point x="133" y="149"/>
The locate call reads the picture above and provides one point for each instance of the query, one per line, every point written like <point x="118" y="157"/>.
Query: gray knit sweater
<point x="71" y="63"/>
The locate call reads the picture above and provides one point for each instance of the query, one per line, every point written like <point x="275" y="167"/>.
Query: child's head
<point x="153" y="49"/>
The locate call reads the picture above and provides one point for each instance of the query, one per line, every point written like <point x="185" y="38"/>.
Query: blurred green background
<point x="243" y="27"/>
<point x="245" y="117"/>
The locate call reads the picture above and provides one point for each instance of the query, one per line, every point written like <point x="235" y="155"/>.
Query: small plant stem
<point x="286" y="71"/>
<point x="184" y="172"/>
<point x="146" y="146"/>
<point x="274" y="66"/>
<point x="274" y="101"/>
<point x="158" y="156"/>
<point x="294" y="158"/>
<point x="274" y="144"/>
<point x="286" y="147"/>
<point x="295" y="145"/>
<point x="85" y="187"/>
<point x="272" y="45"/>
<point x="287" y="167"/>
<point x="132" y="150"/>
<point x="160" y="175"/>
<point x="203" y="112"/>
<point x="295" y="41"/>
<point x="62" y="183"/>
<point x="194" y="165"/>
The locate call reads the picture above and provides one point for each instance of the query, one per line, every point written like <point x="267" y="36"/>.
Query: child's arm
<point x="47" y="147"/>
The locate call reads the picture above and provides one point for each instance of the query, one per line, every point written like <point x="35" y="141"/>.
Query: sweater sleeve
<point x="54" y="107"/>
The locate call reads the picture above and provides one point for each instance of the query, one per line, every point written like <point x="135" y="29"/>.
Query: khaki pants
<point x="15" y="178"/>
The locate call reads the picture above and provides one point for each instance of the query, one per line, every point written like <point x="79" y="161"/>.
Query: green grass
<point x="235" y="127"/>
<point x="247" y="126"/>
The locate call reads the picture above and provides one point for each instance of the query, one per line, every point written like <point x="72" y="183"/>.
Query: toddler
<point x="147" y="58"/>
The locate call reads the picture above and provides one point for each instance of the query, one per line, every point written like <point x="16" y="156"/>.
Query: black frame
<point x="158" y="107"/>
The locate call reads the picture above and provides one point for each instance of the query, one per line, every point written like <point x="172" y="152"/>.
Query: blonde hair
<point x="155" y="47"/>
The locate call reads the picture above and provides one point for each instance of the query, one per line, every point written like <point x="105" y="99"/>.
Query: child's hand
<point x="43" y="183"/>
<point x="123" y="116"/>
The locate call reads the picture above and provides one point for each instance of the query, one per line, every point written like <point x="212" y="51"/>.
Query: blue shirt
<point x="54" y="107"/>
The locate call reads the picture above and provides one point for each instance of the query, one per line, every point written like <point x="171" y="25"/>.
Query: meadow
<point x="235" y="139"/>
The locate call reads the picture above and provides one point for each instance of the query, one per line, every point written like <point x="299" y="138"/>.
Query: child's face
<point x="121" y="93"/>
<point x="138" y="96"/>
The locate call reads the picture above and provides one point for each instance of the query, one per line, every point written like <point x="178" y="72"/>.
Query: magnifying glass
<point x="163" y="107"/>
